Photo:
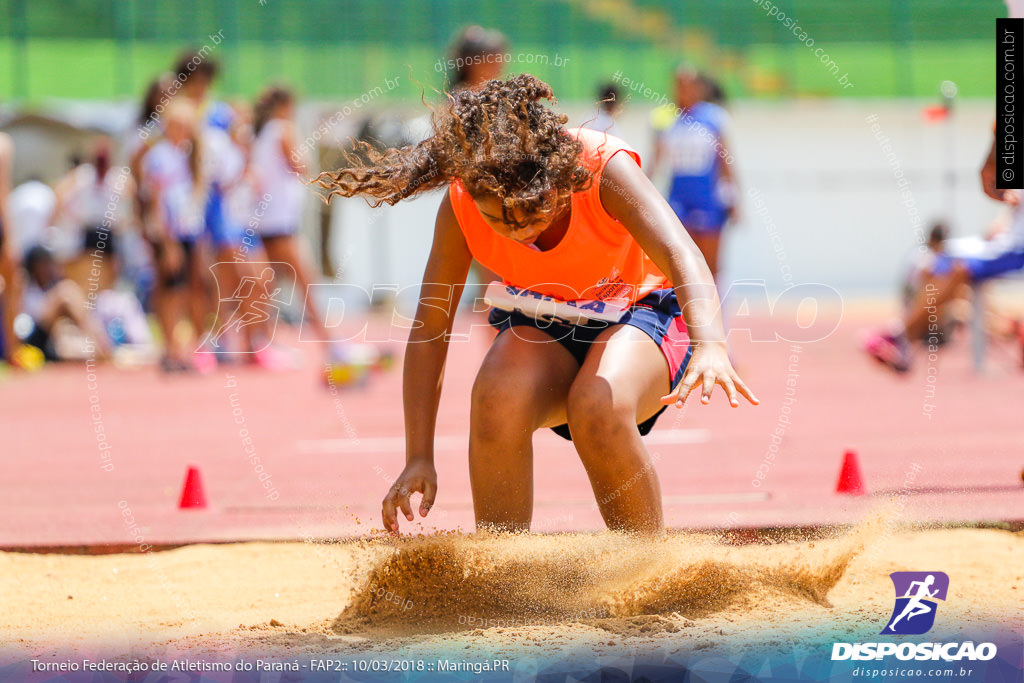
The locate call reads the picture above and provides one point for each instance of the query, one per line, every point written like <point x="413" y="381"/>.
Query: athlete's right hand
<point x="418" y="476"/>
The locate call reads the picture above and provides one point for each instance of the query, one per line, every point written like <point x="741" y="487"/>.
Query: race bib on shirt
<point x="543" y="307"/>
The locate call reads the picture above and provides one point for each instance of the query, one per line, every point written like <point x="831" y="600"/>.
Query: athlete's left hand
<point x="709" y="365"/>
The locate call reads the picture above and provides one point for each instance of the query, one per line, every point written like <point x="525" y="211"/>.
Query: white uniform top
<point x="221" y="163"/>
<point x="166" y="169"/>
<point x="31" y="206"/>
<point x="225" y="165"/>
<point x="86" y="199"/>
<point x="278" y="188"/>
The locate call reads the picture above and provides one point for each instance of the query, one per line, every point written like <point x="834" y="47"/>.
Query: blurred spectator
<point x="93" y="205"/>
<point x="32" y="207"/>
<point x="220" y="164"/>
<point x="196" y="74"/>
<point x="702" y="190"/>
<point x="276" y="164"/>
<point x="713" y="91"/>
<point x="61" y="322"/>
<point x="477" y="55"/>
<point x="609" y="105"/>
<point x="10" y="278"/>
<point x="171" y="178"/>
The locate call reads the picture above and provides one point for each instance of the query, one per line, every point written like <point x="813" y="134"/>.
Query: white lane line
<point x="685" y="499"/>
<point x="396" y="444"/>
<point x="674" y="436"/>
<point x="542" y="506"/>
<point x="713" y="498"/>
<point x="375" y="444"/>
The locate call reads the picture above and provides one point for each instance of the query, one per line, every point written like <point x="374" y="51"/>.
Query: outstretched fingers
<point x="397" y="498"/>
<point x="707" y="387"/>
<point x="744" y="390"/>
<point x="679" y="394"/>
<point x="429" y="494"/>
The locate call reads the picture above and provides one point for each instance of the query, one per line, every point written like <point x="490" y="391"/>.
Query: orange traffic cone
<point x="851" y="481"/>
<point x="192" y="496"/>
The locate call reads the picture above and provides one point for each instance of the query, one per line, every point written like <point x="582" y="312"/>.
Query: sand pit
<point x="451" y="581"/>
<point x="570" y="595"/>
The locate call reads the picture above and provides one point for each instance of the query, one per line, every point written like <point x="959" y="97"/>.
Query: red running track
<point x="330" y="457"/>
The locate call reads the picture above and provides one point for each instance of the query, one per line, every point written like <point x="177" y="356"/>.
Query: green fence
<point x="105" y="49"/>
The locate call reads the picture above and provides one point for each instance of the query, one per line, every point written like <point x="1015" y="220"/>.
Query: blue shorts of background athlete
<point x="657" y="314"/>
<point x="697" y="219"/>
<point x="222" y="232"/>
<point x="695" y="201"/>
<point x="981" y="268"/>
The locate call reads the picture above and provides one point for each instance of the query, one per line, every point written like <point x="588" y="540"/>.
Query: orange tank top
<point x="597" y="258"/>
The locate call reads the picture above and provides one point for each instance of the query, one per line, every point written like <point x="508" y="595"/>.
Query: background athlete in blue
<point x="691" y="142"/>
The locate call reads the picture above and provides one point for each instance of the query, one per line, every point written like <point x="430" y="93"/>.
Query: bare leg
<point x="200" y="295"/>
<point x="285" y="249"/>
<point x="66" y="300"/>
<point x="168" y="303"/>
<point x="522" y="386"/>
<point x="257" y="335"/>
<point x="936" y="292"/>
<point x="619" y="385"/>
<point x="326" y="267"/>
<point x="228" y="277"/>
<point x="170" y="307"/>
<point x="9" y="300"/>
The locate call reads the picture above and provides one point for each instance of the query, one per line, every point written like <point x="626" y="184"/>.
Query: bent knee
<point x="597" y="408"/>
<point x="501" y="404"/>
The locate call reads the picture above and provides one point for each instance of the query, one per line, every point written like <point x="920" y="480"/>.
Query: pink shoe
<point x="893" y="351"/>
<point x="204" y="362"/>
<point x="273" y="359"/>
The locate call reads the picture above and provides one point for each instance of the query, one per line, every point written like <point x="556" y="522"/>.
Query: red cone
<point x="851" y="481"/>
<point x="192" y="496"/>
<point x="935" y="113"/>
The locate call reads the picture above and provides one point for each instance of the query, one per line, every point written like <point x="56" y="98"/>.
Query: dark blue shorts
<point x="178" y="278"/>
<point x="657" y="314"/>
<point x="984" y="268"/>
<point x="222" y="232"/>
<point x="698" y="219"/>
<point x="980" y="268"/>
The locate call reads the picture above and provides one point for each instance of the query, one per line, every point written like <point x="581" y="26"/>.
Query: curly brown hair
<point x="499" y="140"/>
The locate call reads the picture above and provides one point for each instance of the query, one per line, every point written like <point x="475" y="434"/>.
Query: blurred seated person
<point x="62" y="324"/>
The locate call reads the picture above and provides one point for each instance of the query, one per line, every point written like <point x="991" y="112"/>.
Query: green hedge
<point x="104" y="49"/>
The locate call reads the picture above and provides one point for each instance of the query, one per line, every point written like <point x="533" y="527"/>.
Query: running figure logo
<point x="254" y="306"/>
<point x="917" y="595"/>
